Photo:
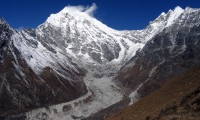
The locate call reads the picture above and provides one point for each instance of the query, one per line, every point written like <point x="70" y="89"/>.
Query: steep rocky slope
<point x="170" y="53"/>
<point x="178" y="99"/>
<point x="21" y="86"/>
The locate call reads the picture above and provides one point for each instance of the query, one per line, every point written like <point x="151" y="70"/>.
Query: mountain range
<point x="73" y="66"/>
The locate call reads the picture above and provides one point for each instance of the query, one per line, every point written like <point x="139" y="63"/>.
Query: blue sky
<point x="118" y="14"/>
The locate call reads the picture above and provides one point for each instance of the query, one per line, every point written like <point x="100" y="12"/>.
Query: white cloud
<point x="74" y="8"/>
<point x="90" y="10"/>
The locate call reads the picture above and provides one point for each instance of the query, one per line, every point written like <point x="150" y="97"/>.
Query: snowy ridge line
<point x="86" y="30"/>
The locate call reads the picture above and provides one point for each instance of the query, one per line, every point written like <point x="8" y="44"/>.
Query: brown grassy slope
<point x="171" y="93"/>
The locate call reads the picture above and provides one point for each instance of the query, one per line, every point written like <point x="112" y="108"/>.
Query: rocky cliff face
<point x="170" y="53"/>
<point x="21" y="86"/>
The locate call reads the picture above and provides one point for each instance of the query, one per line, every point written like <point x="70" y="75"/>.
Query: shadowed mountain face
<point x="22" y="88"/>
<point x="170" y="53"/>
<point x="74" y="57"/>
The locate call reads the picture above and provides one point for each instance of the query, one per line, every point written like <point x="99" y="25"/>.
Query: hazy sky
<point x="118" y="14"/>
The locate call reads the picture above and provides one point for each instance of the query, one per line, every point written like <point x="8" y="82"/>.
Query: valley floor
<point x="102" y="93"/>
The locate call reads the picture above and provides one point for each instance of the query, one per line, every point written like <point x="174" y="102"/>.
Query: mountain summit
<point x="74" y="59"/>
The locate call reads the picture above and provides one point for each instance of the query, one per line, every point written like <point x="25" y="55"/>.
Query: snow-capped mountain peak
<point x="70" y="44"/>
<point x="167" y="19"/>
<point x="93" y="39"/>
<point x="78" y="14"/>
<point x="162" y="21"/>
<point x="83" y="36"/>
<point x="172" y="15"/>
